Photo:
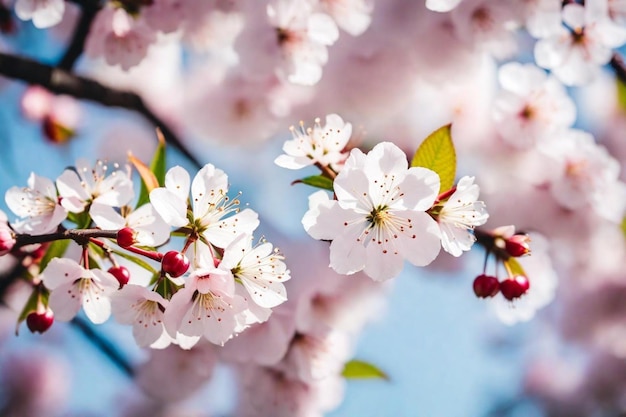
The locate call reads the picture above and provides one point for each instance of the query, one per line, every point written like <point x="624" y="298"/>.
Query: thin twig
<point x="103" y="345"/>
<point x="77" y="44"/>
<point x="60" y="81"/>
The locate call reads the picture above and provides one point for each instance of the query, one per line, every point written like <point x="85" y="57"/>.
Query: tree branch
<point x="103" y="345"/>
<point x="60" y="81"/>
<point x="77" y="44"/>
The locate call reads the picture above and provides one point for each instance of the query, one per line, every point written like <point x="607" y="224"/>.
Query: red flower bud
<point x="174" y="263"/>
<point x="517" y="245"/>
<point x="486" y="286"/>
<point x="126" y="237"/>
<point x="121" y="274"/>
<point x="514" y="287"/>
<point x="39" y="321"/>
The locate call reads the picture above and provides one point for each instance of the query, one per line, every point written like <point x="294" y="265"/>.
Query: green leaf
<point x="318" y="181"/>
<point x="437" y="153"/>
<point x="30" y="306"/>
<point x="145" y="265"/>
<point x="514" y="267"/>
<point x="621" y="94"/>
<point x="154" y="176"/>
<point x="357" y="369"/>
<point x="55" y="250"/>
<point x="623" y="226"/>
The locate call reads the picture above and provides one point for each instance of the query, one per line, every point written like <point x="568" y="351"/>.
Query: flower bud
<point x="514" y="287"/>
<point x="7" y="239"/>
<point x="517" y="245"/>
<point x="126" y="237"/>
<point x="39" y="321"/>
<point x="121" y="274"/>
<point x="486" y="286"/>
<point x="174" y="263"/>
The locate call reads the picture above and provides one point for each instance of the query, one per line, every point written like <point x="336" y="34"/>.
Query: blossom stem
<point x="61" y="81"/>
<point x="80" y="236"/>
<point x="155" y="256"/>
<point x="326" y="171"/>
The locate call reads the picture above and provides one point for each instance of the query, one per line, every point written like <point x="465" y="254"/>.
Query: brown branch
<point x="81" y="236"/>
<point x="81" y="31"/>
<point x="60" y="81"/>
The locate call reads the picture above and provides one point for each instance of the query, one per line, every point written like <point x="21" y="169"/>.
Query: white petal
<point x="65" y="302"/>
<point x="106" y="217"/>
<point x="170" y="207"/>
<point x="61" y="271"/>
<point x="177" y="181"/>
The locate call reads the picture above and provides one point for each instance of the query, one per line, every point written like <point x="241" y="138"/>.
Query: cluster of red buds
<point x="504" y="245"/>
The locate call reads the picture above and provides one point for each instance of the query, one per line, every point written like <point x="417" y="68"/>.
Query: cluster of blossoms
<point x="231" y="282"/>
<point x="383" y="211"/>
<point x="295" y="34"/>
<point x="573" y="40"/>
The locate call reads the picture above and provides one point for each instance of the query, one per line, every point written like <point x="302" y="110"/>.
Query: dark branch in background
<point x="60" y="81"/>
<point x="618" y="65"/>
<point x="77" y="44"/>
<point x="104" y="345"/>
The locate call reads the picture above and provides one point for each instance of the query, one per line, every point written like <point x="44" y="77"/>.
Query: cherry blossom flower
<point x="317" y="356"/>
<point x="459" y="215"/>
<point x="302" y="39"/>
<point x="71" y="286"/>
<point x="173" y="374"/>
<point x="207" y="306"/>
<point x="318" y="145"/>
<point x="150" y="228"/>
<point x="576" y="53"/>
<point x="209" y="205"/>
<point x="84" y="186"/>
<point x="587" y="175"/>
<point x="270" y="392"/>
<point x="260" y="269"/>
<point x="141" y="308"/>
<point x="487" y="25"/>
<point x="120" y="38"/>
<point x="532" y="106"/>
<point x="43" y="13"/>
<point x="542" y="17"/>
<point x="37" y="205"/>
<point x="353" y="16"/>
<point x="379" y="218"/>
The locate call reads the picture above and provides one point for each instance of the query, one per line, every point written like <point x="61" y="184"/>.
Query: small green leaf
<point x="437" y="153"/>
<point x="623" y="226"/>
<point x="55" y="250"/>
<point x="30" y="306"/>
<point x="154" y="176"/>
<point x="145" y="265"/>
<point x="357" y="369"/>
<point x="621" y="94"/>
<point x="514" y="267"/>
<point x="82" y="220"/>
<point x="318" y="181"/>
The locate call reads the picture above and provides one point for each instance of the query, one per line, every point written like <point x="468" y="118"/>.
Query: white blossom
<point x="37" y="205"/>
<point x="211" y="211"/>
<point x="43" y="13"/>
<point x="379" y="217"/>
<point x="459" y="215"/>
<point x="317" y="145"/>
<point x="73" y="286"/>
